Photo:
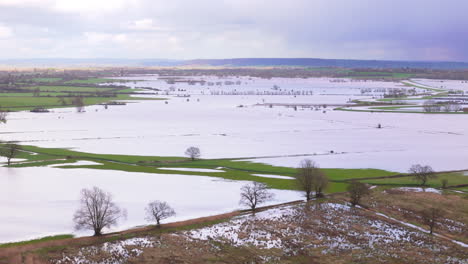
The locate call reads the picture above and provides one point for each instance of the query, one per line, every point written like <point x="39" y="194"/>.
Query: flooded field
<point x="260" y="128"/>
<point x="50" y="196"/>
<point x="277" y="121"/>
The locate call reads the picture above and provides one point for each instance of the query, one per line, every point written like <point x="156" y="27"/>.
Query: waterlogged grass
<point x="42" y="163"/>
<point x="92" y="81"/>
<point x="376" y="74"/>
<point x="456" y="178"/>
<point x="232" y="169"/>
<point x="406" y="99"/>
<point x="70" y="88"/>
<point x="399" y="112"/>
<point x="46" y="80"/>
<point x="54" y="93"/>
<point x="66" y="153"/>
<point x="21" y="103"/>
<point x="392" y="107"/>
<point x="412" y="84"/>
<point x="38" y="240"/>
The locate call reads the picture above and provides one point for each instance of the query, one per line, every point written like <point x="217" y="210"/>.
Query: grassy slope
<point x="43" y="239"/>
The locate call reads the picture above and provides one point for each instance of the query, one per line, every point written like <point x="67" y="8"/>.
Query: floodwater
<point x="37" y="202"/>
<point x="41" y="201"/>
<point x="221" y="129"/>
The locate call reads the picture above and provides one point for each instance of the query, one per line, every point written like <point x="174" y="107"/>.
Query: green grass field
<point x="92" y="81"/>
<point x="32" y="241"/>
<point x="376" y="74"/>
<point x="54" y="88"/>
<point x="455" y="178"/>
<point x="46" y="80"/>
<point x="423" y="87"/>
<point x="38" y="94"/>
<point x="232" y="169"/>
<point x="21" y="103"/>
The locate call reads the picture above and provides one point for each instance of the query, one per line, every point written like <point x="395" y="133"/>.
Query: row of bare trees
<point x="432" y="106"/>
<point x="309" y="179"/>
<point x="97" y="211"/>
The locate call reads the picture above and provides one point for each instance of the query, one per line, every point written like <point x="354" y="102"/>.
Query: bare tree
<point x="9" y="151"/>
<point x="431" y="106"/>
<point x="37" y="92"/>
<point x="79" y="103"/>
<point x="444" y="183"/>
<point x="97" y="211"/>
<point x="431" y="216"/>
<point x="3" y="116"/>
<point x="422" y="173"/>
<point x="451" y="107"/>
<point x="62" y="101"/>
<point x="357" y="190"/>
<point x="254" y="194"/>
<point x="309" y="178"/>
<point x="157" y="211"/>
<point x="193" y="153"/>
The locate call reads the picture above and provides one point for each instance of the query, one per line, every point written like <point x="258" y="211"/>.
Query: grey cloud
<point x="365" y="29"/>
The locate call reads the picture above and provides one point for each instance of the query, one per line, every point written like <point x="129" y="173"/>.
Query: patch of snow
<point x="231" y="231"/>
<point x="119" y="252"/>
<point x="419" y="228"/>
<point x="418" y="189"/>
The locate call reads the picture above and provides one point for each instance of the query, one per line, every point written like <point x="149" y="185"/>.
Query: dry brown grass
<point x="312" y="233"/>
<point x="407" y="206"/>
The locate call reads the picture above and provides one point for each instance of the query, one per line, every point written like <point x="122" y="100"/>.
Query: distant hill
<point x="310" y="62"/>
<point x="97" y="62"/>
<point x="240" y="62"/>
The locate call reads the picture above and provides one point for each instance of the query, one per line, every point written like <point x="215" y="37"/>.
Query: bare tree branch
<point x="309" y="178"/>
<point x="254" y="194"/>
<point x="422" y="173"/>
<point x="193" y="153"/>
<point x="157" y="211"/>
<point x="357" y="190"/>
<point x="97" y="211"/>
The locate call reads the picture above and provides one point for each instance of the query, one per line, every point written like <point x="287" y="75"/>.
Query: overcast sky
<point x="190" y="29"/>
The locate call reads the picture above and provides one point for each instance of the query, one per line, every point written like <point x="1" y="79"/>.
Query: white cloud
<point x="74" y="6"/>
<point x="99" y="38"/>
<point x="146" y="24"/>
<point x="5" y="32"/>
<point x="234" y="28"/>
<point x="93" y="6"/>
<point x="24" y="2"/>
